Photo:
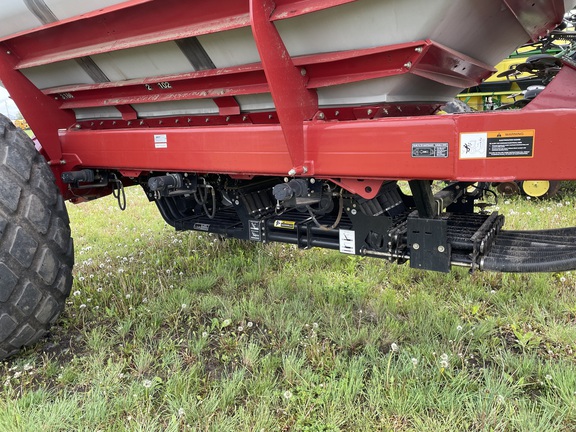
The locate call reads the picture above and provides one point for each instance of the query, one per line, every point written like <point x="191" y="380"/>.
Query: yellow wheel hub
<point x="535" y="188"/>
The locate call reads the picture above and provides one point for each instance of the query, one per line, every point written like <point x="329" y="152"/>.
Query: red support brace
<point x="293" y="101"/>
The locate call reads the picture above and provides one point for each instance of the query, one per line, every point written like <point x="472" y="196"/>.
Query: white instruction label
<point x="160" y="141"/>
<point x="473" y="145"/>
<point x="348" y="242"/>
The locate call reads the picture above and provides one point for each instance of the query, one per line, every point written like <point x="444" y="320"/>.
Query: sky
<point x="7" y="105"/>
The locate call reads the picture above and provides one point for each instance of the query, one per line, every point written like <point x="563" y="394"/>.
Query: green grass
<point x="183" y="331"/>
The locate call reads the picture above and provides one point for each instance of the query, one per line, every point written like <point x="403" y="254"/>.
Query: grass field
<point x="183" y="331"/>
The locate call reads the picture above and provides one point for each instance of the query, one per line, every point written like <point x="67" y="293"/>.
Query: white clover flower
<point x="444" y="356"/>
<point x="562" y="279"/>
<point x="28" y="367"/>
<point x="184" y="305"/>
<point x="204" y="334"/>
<point x="240" y="328"/>
<point x="459" y="328"/>
<point x="443" y="364"/>
<point x="147" y="383"/>
<point x="76" y="293"/>
<point x="128" y="296"/>
<point x="414" y="361"/>
<point x="394" y="347"/>
<point x="82" y="306"/>
<point x="287" y="394"/>
<point x="500" y="399"/>
<point x="315" y="325"/>
<point x="249" y="324"/>
<point x="81" y="278"/>
<point x="181" y="412"/>
<point x="548" y="377"/>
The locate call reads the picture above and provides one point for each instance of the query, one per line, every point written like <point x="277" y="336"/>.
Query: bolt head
<point x="354" y="211"/>
<point x="441" y="249"/>
<point x="415" y="246"/>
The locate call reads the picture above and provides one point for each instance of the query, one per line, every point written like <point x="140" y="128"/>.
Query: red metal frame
<point x="356" y="147"/>
<point x="139" y="23"/>
<point x="424" y="58"/>
<point x="369" y="149"/>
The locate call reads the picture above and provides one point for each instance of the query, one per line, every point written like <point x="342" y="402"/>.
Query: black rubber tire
<point x="36" y="248"/>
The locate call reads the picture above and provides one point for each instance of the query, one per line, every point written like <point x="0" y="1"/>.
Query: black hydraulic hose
<point x="537" y="266"/>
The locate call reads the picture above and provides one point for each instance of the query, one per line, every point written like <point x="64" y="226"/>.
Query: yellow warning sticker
<point x="284" y="224"/>
<point x="497" y="144"/>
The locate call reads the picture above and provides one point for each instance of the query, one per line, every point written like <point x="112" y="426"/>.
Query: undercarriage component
<point x="453" y="235"/>
<point x="173" y="184"/>
<point x="532" y="251"/>
<point x="85" y="179"/>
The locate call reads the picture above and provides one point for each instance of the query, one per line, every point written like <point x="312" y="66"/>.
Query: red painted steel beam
<point x="41" y="112"/>
<point x="423" y="58"/>
<point x="294" y="102"/>
<point x="376" y="149"/>
<point x="290" y="8"/>
<point x="537" y="16"/>
<point x="365" y="149"/>
<point x="198" y="85"/>
<point x="143" y="24"/>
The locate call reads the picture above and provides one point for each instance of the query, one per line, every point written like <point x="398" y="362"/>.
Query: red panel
<point x="153" y="22"/>
<point x="293" y="101"/>
<point x="377" y="149"/>
<point x="559" y="93"/>
<point x="290" y="8"/>
<point x="423" y="58"/>
<point x="41" y="112"/>
<point x="537" y="16"/>
<point x="198" y="85"/>
<point x="148" y="23"/>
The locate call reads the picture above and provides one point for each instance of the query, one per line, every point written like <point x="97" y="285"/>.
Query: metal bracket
<point x="428" y="243"/>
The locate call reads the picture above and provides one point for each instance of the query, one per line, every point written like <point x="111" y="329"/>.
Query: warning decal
<point x="285" y="224"/>
<point x="497" y="144"/>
